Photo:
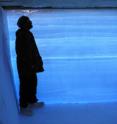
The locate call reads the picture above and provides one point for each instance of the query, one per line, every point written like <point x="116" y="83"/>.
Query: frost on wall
<point x="8" y="111"/>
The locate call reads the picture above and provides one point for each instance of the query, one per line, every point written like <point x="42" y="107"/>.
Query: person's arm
<point x="36" y="57"/>
<point x="35" y="51"/>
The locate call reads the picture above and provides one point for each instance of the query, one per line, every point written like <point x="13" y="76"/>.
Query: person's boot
<point x="37" y="104"/>
<point x="26" y="111"/>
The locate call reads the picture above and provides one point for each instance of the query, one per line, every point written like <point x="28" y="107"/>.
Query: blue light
<point x="79" y="49"/>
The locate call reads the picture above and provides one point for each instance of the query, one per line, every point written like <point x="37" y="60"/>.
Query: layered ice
<point x="79" y="51"/>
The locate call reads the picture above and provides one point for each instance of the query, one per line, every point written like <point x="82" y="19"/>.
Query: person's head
<point x="24" y="23"/>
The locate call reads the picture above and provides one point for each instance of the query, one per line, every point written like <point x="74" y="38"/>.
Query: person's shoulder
<point x="30" y="32"/>
<point x="19" y="31"/>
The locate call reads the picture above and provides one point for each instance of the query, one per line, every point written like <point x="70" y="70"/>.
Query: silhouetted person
<point x="29" y="62"/>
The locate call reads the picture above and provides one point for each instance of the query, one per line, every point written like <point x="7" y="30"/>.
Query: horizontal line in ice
<point x="82" y="57"/>
<point x="81" y="38"/>
<point x="68" y="17"/>
<point x="75" y="27"/>
<point x="71" y="38"/>
<point x="77" y="57"/>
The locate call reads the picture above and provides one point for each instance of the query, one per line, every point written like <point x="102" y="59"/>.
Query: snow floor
<point x="97" y="113"/>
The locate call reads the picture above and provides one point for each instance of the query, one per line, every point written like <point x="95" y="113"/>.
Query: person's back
<point x="22" y="44"/>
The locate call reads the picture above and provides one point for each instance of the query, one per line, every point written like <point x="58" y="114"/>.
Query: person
<point x="29" y="62"/>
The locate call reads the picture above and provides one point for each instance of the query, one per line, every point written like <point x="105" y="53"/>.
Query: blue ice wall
<point x="8" y="109"/>
<point x="79" y="51"/>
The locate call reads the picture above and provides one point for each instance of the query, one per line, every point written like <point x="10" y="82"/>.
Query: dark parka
<point x="27" y="53"/>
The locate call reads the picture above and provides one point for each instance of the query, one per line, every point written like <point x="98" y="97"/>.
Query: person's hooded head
<point x="24" y="23"/>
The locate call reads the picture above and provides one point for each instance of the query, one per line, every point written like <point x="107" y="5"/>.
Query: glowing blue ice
<point x="79" y="49"/>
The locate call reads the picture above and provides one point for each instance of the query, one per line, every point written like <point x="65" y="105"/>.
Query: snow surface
<point x="104" y="113"/>
<point x="79" y="50"/>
